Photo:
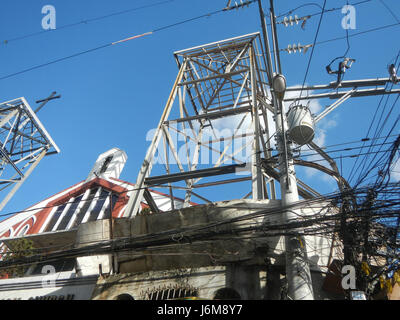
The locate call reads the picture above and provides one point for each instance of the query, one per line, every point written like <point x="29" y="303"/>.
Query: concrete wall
<point x="89" y="233"/>
<point x="223" y="251"/>
<point x="240" y="264"/>
<point x="205" y="253"/>
<point x="248" y="282"/>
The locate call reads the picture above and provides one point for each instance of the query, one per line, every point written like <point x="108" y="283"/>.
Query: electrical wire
<point x="153" y="240"/>
<point x="86" y="21"/>
<point x="209" y="14"/>
<point x="378" y="131"/>
<point x="390" y="11"/>
<point x="312" y="49"/>
<point x="358" y="33"/>
<point x="279" y="209"/>
<point x="353" y="171"/>
<point x="322" y="11"/>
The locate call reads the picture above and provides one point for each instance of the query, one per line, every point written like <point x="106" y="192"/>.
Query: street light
<point x="279" y="85"/>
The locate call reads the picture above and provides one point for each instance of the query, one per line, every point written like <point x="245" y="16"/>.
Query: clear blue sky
<point x="112" y="97"/>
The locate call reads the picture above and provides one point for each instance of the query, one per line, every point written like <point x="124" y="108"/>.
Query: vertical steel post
<point x="137" y="194"/>
<point x="257" y="177"/>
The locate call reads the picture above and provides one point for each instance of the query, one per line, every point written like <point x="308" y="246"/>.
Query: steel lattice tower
<point x="23" y="143"/>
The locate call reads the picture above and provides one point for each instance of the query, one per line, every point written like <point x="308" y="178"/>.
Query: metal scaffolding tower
<point x="23" y="143"/>
<point x="222" y="81"/>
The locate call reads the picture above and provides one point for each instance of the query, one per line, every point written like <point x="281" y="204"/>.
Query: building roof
<point x="101" y="196"/>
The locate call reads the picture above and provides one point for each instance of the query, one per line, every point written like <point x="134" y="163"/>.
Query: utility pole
<point x="297" y="269"/>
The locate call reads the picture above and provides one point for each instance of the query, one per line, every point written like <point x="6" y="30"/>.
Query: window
<point x="54" y="218"/>
<point x="81" y="214"/>
<point x="68" y="215"/>
<point x="171" y="293"/>
<point x="92" y="201"/>
<point x="94" y="213"/>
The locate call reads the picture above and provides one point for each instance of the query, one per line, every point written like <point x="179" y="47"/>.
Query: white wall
<point x="56" y="285"/>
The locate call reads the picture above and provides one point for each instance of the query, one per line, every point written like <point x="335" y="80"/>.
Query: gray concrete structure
<point x="250" y="265"/>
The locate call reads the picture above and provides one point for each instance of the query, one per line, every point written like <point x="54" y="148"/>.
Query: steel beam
<point x="345" y="84"/>
<point x="336" y="95"/>
<point x="150" y="201"/>
<point x="137" y="195"/>
<point x="156" y="180"/>
<point x="211" y="115"/>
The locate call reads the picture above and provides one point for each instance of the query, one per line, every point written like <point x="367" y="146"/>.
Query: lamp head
<point x="279" y="85"/>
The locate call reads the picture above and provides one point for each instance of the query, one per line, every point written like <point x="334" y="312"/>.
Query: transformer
<point x="300" y="125"/>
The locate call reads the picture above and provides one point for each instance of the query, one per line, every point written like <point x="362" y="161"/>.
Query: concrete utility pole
<point x="297" y="269"/>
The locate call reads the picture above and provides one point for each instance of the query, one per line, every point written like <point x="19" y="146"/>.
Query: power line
<point x="347" y="36"/>
<point x="86" y="21"/>
<point x="370" y="127"/>
<point x="377" y="131"/>
<point x="353" y="155"/>
<point x="358" y="33"/>
<point x="313" y="47"/>
<point x="213" y="232"/>
<point x="357" y="141"/>
<point x="395" y="145"/>
<point x="126" y="39"/>
<point x="390" y="10"/>
<point x="55" y="61"/>
<point x="309" y="201"/>
<point x="322" y="11"/>
<point x="342" y="150"/>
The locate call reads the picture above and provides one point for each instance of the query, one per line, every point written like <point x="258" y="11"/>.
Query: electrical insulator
<point x="393" y="74"/>
<point x="297" y="47"/>
<point x="291" y="21"/>
<point x="237" y="5"/>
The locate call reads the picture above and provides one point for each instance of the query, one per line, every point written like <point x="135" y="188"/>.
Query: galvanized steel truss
<point x="23" y="143"/>
<point x="220" y="86"/>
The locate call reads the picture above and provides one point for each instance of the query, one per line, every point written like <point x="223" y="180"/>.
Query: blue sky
<point x="114" y="96"/>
